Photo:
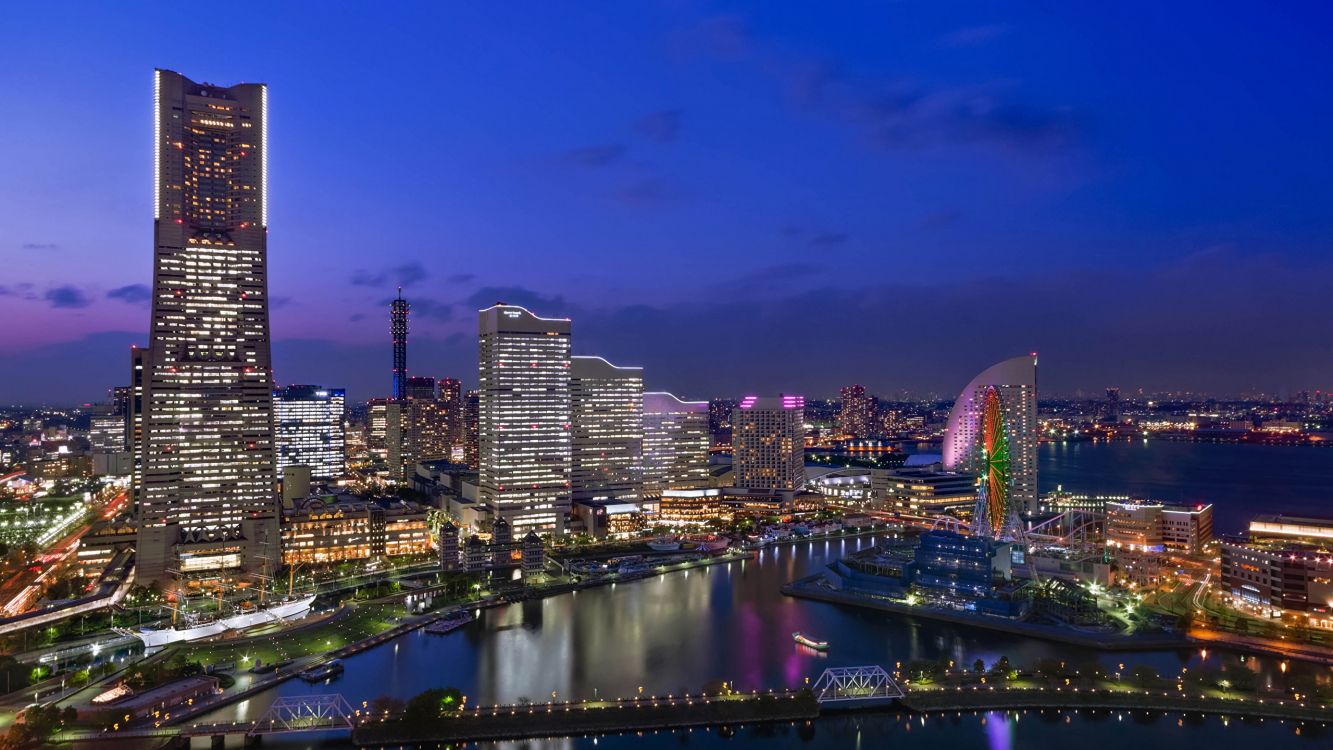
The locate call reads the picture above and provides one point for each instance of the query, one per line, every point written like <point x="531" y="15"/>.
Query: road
<point x="25" y="588"/>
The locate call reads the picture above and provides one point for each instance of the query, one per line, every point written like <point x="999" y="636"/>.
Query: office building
<point x="1138" y="526"/>
<point x="992" y="434"/>
<point x="675" y="444"/>
<point x="524" y="418"/>
<point x="768" y="443"/>
<point x="398" y="310"/>
<point x="384" y="438"/>
<point x="309" y="420"/>
<point x="606" y="441"/>
<point x="420" y="388"/>
<point x="208" y="500"/>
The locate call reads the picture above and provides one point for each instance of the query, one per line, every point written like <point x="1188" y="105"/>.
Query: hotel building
<point x="207" y="500"/>
<point x="606" y="442"/>
<point x="768" y="443"/>
<point x="675" y="444"/>
<point x="1002" y="452"/>
<point x="309" y="422"/>
<point x="524" y="418"/>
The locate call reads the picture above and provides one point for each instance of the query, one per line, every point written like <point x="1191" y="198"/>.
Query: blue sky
<point x="741" y="197"/>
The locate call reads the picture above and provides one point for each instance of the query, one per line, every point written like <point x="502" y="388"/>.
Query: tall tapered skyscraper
<point x="208" y="505"/>
<point x="398" y="329"/>
<point x="524" y="418"/>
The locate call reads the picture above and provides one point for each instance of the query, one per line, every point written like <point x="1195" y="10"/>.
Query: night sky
<point x="743" y="198"/>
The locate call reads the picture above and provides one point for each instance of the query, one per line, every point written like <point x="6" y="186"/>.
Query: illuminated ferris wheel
<point x="993" y="491"/>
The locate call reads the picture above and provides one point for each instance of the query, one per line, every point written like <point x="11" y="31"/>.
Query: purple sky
<point x="742" y="197"/>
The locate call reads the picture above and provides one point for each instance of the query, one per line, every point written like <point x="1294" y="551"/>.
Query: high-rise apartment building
<point x="606" y="445"/>
<point x="768" y="443"/>
<point x="398" y="310"/>
<point x="309" y="421"/>
<point x="675" y="444"/>
<point x="472" y="429"/>
<point x="524" y="418"/>
<point x="856" y="413"/>
<point x="208" y="503"/>
<point x="451" y="399"/>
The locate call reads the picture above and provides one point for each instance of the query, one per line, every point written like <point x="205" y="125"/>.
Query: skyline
<point x="967" y="193"/>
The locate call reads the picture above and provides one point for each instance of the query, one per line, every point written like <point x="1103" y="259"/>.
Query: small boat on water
<point x="664" y="544"/>
<point x="809" y="642"/>
<point x="323" y="672"/>
<point x="711" y="543"/>
<point x="450" y="623"/>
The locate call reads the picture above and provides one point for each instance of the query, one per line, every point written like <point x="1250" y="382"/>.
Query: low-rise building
<point x="338" y="528"/>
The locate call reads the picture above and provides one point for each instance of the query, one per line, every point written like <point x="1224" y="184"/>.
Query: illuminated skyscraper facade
<point x="768" y="443"/>
<point x="207" y="505"/>
<point x="675" y="444"/>
<point x="856" y="414"/>
<point x="606" y="445"/>
<point x="309" y="422"/>
<point x="524" y="418"/>
<point x="992" y="432"/>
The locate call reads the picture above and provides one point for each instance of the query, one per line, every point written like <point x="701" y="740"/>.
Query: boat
<point x="809" y="642"/>
<point x="323" y="672"/>
<point x="664" y="544"/>
<point x="291" y="609"/>
<point x="449" y="623"/>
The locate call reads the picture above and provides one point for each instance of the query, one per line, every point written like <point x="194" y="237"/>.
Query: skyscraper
<point x="384" y="439"/>
<point x="606" y="445"/>
<point x="208" y="503"/>
<point x="675" y="444"/>
<point x="856" y="415"/>
<point x="451" y="399"/>
<point x="472" y="429"/>
<point x="524" y="417"/>
<point x="309" y="422"/>
<point x="768" y="443"/>
<point x="425" y="424"/>
<point x="992" y="432"/>
<point x="398" y="309"/>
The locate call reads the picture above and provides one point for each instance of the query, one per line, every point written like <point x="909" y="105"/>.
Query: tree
<point x="433" y="703"/>
<point x="387" y="704"/>
<point x="979" y="666"/>
<point x="1001" y="667"/>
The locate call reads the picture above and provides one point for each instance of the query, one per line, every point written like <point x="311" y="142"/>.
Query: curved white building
<point x="1014" y="384"/>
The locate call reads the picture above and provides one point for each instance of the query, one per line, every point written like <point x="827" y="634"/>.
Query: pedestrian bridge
<point x="855" y="687"/>
<point x="306" y="713"/>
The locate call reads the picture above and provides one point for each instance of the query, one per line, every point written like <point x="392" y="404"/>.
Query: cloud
<point x="40" y="246"/>
<point x="595" y="156"/>
<point x="355" y="317"/>
<point x="516" y="295"/>
<point x="896" y="112"/>
<point x="277" y="303"/>
<point x="133" y="294"/>
<point x="663" y="126"/>
<point x="69" y="297"/>
<point x="404" y="276"/>
<point x="432" y="309"/>
<point x="461" y="278"/>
